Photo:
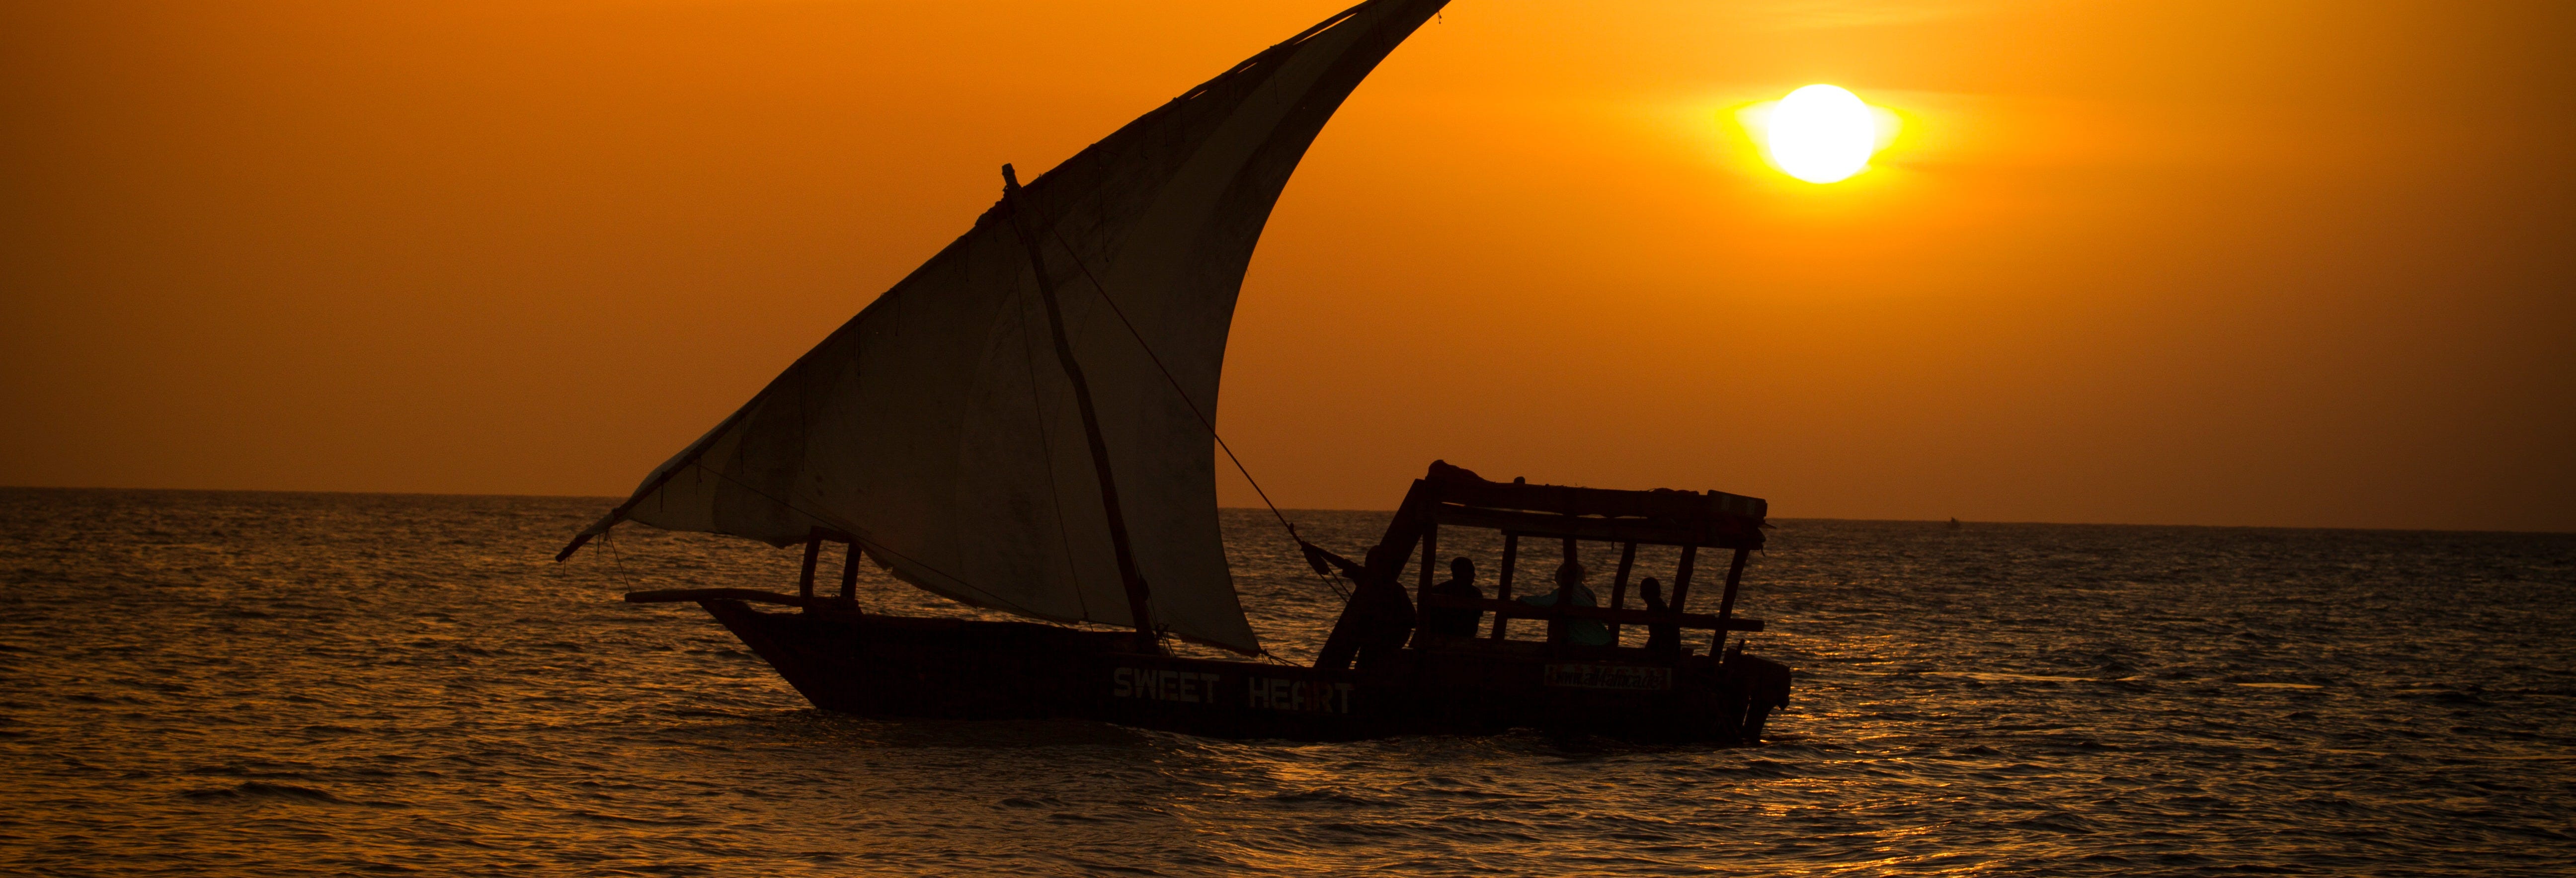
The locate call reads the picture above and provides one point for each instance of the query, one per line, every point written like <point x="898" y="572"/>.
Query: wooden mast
<point x="1139" y="608"/>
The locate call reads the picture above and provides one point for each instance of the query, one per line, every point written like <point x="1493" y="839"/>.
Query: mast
<point x="1139" y="605"/>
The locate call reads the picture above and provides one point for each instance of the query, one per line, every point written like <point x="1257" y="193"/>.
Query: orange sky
<point x="2181" y="262"/>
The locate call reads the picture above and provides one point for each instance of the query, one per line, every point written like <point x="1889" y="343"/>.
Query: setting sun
<point x="1821" y="134"/>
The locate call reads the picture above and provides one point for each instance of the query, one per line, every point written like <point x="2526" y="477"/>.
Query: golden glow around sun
<point x="1821" y="134"/>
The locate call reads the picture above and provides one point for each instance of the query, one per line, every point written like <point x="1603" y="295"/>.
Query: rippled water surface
<point x="303" y="684"/>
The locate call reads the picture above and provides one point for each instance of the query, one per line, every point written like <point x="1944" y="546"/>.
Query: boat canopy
<point x="1457" y="496"/>
<point x="938" y="430"/>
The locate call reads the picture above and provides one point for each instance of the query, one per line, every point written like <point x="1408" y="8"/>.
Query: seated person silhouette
<point x="1569" y="588"/>
<point x="1455" y="621"/>
<point x="1665" y="639"/>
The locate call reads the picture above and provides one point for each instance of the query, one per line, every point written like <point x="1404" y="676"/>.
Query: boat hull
<point x="898" y="666"/>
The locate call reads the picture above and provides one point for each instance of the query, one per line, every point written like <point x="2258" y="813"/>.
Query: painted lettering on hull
<point x="1300" y="696"/>
<point x="1155" y="684"/>
<point x="1261" y="693"/>
<point x="1627" y="677"/>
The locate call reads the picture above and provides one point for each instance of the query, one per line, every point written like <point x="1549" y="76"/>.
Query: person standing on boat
<point x="1455" y="621"/>
<point x="1570" y="588"/>
<point x="1662" y="638"/>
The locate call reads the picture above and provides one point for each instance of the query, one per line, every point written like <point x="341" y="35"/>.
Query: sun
<point x="1821" y="134"/>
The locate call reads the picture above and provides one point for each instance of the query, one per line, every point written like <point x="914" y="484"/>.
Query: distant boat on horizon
<point x="1024" y="424"/>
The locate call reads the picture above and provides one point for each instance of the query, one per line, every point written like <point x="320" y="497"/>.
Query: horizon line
<point x="611" y="500"/>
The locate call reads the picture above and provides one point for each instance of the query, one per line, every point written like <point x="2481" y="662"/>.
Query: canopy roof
<point x="1660" y="516"/>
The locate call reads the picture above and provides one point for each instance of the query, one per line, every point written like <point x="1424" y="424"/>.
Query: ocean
<point x="308" y="684"/>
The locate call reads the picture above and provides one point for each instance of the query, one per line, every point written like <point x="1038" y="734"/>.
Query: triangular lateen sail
<point x="937" y="427"/>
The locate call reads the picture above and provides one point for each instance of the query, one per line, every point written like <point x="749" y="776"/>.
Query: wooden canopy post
<point x="1619" y="585"/>
<point x="1503" y="582"/>
<point x="850" y="573"/>
<point x="1430" y="560"/>
<point x="813" y="552"/>
<point x="1681" y="578"/>
<point x="1726" y="601"/>
<point x="1572" y="554"/>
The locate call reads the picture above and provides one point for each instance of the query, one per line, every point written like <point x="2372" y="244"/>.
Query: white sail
<point x="938" y="427"/>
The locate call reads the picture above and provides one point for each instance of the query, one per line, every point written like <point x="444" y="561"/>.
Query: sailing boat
<point x="1024" y="424"/>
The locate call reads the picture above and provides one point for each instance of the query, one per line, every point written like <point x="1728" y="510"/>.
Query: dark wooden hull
<point x="898" y="666"/>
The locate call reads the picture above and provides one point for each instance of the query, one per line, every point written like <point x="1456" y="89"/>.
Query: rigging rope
<point x="1184" y="393"/>
<point x="617" y="564"/>
<point x="1169" y="377"/>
